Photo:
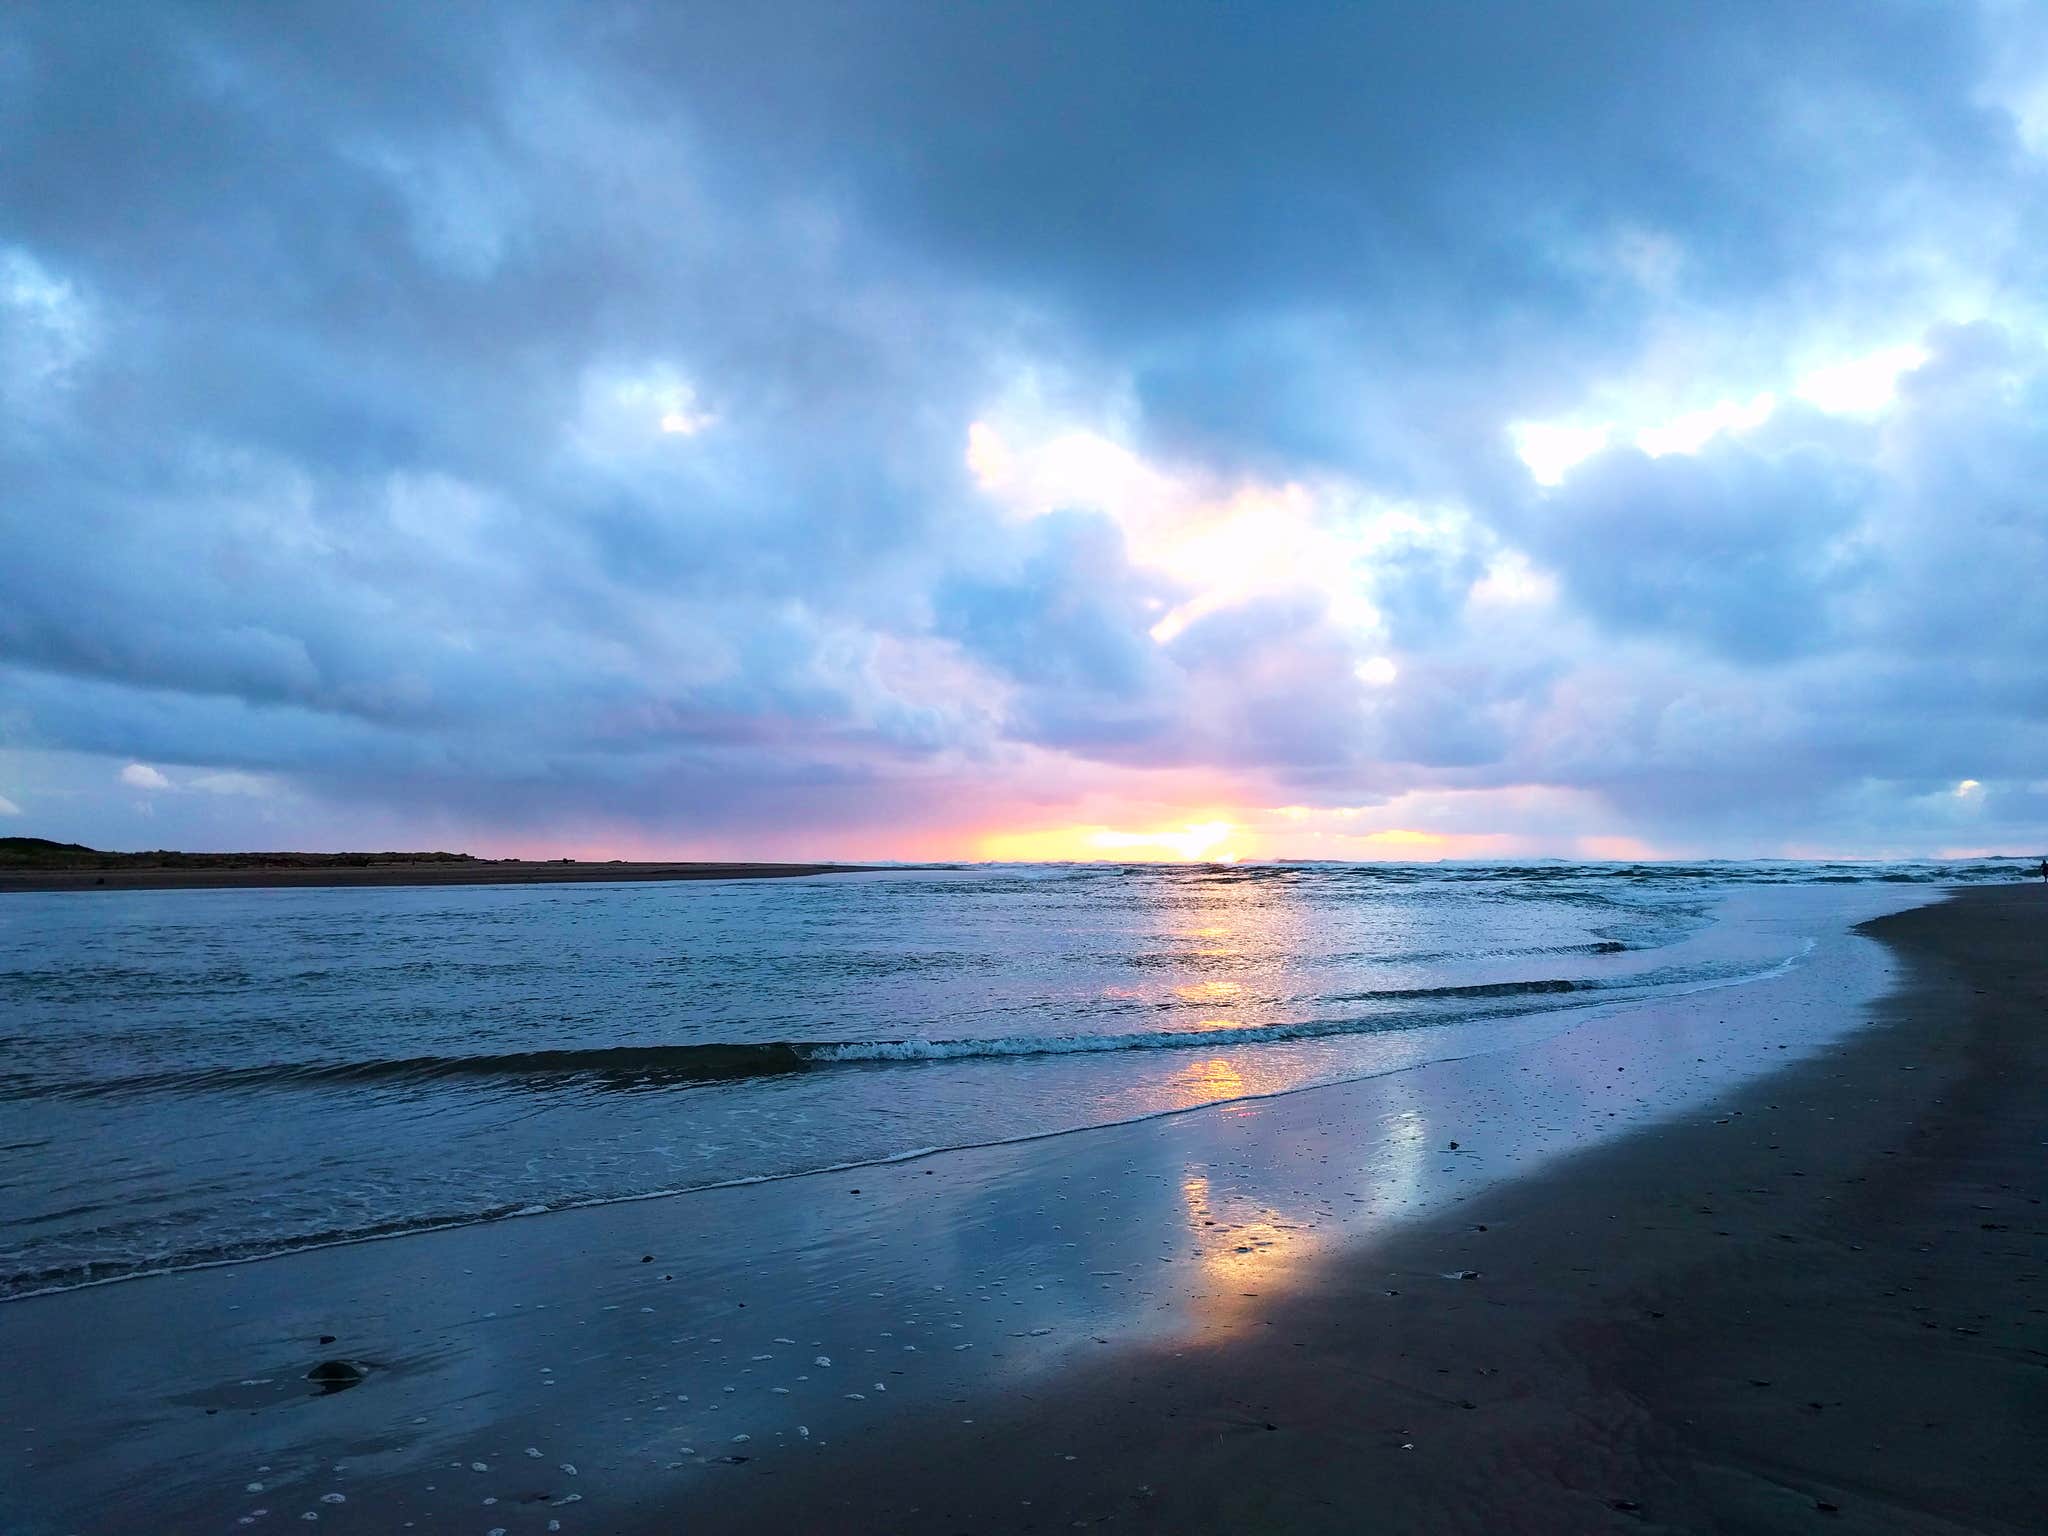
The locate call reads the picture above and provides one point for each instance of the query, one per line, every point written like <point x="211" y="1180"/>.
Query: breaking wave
<point x="649" y="1066"/>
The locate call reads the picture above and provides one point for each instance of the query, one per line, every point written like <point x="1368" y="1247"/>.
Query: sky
<point x="1038" y="430"/>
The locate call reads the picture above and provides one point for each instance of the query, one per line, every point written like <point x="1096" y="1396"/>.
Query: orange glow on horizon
<point x="1105" y="815"/>
<point x="1194" y="842"/>
<point x="1409" y="838"/>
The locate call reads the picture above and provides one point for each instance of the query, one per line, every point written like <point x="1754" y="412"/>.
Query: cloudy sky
<point x="1377" y="430"/>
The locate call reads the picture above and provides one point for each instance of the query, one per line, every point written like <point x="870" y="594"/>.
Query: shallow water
<point x="189" y="1077"/>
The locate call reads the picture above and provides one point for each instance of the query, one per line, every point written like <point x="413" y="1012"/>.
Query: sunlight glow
<point x="1218" y="822"/>
<point x="1410" y="840"/>
<point x="1692" y="432"/>
<point x="672" y="403"/>
<point x="1848" y="387"/>
<point x="1257" y="541"/>
<point x="1219" y="544"/>
<point x="1550" y="449"/>
<point x="989" y="458"/>
<point x="1195" y="842"/>
<point x="1862" y="384"/>
<point x="1511" y="581"/>
<point x="686" y="423"/>
<point x="1210" y="1080"/>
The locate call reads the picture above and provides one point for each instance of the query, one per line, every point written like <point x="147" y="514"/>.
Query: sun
<point x="1195" y="842"/>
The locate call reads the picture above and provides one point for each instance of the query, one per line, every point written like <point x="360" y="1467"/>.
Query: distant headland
<point x="38" y="864"/>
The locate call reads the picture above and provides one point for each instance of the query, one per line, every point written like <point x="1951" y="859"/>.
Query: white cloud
<point x="623" y="414"/>
<point x="142" y="776"/>
<point x="685" y="422"/>
<point x="47" y="327"/>
<point x="1860" y="385"/>
<point x="1550" y="449"/>
<point x="1222" y="543"/>
<point x="9" y="808"/>
<point x="1854" y="386"/>
<point x="1692" y="432"/>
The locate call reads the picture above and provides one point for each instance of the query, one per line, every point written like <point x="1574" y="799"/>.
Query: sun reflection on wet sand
<point x="1246" y="1254"/>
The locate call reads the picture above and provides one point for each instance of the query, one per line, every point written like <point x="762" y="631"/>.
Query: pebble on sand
<point x="336" y="1375"/>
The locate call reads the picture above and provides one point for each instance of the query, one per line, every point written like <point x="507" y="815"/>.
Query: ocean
<point x="204" y="1077"/>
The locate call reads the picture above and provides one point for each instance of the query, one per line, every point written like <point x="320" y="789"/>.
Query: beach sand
<point x="1823" y="1307"/>
<point x="1765" y="1258"/>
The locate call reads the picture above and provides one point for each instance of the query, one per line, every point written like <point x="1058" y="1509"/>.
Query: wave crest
<point x="652" y="1066"/>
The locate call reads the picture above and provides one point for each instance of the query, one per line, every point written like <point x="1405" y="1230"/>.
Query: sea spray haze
<point x="193" y="1077"/>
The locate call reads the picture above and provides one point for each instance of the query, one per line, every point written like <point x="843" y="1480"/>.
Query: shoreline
<point x="888" y="1160"/>
<point x="1239" y="1317"/>
<point x="456" y="1222"/>
<point x="480" y="872"/>
<point x="1852" y="1334"/>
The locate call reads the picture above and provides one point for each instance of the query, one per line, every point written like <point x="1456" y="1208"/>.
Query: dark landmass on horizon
<point x="38" y="864"/>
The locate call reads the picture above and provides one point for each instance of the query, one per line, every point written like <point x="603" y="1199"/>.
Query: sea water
<point x="198" y="1077"/>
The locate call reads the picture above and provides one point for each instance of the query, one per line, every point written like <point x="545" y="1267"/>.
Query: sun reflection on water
<point x="1207" y="1081"/>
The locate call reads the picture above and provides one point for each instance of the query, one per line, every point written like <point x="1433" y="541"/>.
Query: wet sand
<point x="1781" y="1265"/>
<point x="478" y="872"/>
<point x="1824" y="1307"/>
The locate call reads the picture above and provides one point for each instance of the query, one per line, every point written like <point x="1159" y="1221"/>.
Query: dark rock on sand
<point x="337" y="1375"/>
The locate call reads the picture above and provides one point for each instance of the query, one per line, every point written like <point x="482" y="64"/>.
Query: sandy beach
<point x="1764" y="1257"/>
<point x="1823" y="1305"/>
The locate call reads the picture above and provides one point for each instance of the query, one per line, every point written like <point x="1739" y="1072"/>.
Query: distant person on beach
<point x="2044" y="869"/>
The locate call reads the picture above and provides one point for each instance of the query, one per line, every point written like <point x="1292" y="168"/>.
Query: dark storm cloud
<point x="1743" y="553"/>
<point x="1419" y="205"/>
<point x="336" y="349"/>
<point x="1072" y="614"/>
